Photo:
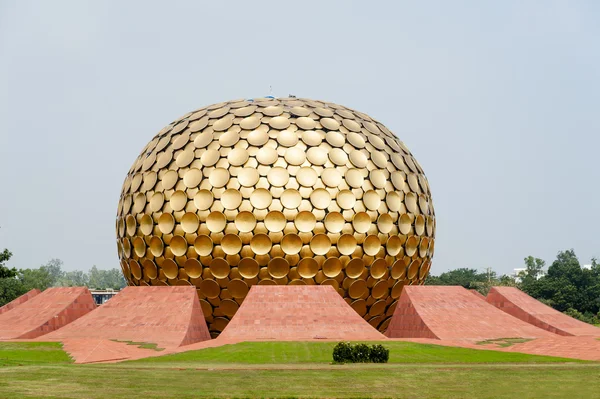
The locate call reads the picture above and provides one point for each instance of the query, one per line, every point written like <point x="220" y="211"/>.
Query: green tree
<point x="10" y="289"/>
<point x="5" y="272"/>
<point x="103" y="279"/>
<point x="75" y="278"/>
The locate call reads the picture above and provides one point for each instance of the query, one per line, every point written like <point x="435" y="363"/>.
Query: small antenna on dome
<point x="270" y="90"/>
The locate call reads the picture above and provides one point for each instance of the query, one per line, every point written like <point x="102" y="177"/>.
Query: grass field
<point x="296" y="369"/>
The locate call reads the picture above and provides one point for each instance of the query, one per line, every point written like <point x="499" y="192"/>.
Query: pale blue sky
<point x="499" y="102"/>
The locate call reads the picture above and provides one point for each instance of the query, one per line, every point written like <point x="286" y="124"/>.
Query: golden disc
<point x="267" y="156"/>
<point x="219" y="268"/>
<point x="203" y="139"/>
<point x="357" y="289"/>
<point x="278" y="176"/>
<point x="139" y="246"/>
<point x="248" y="268"/>
<point x="346" y="244"/>
<point x="136" y="270"/>
<point x="178" y="200"/>
<point x="245" y="221"/>
<point x="275" y="221"/>
<point x="279" y="122"/>
<point x="413" y="269"/>
<point x="329" y="123"/>
<point x="404" y="224"/>
<point x="332" y="267"/>
<point x="360" y="306"/>
<point x="210" y="157"/>
<point x="291" y="198"/>
<point x="156" y="202"/>
<point x="150" y="270"/>
<point x="380" y="289"/>
<point x="250" y="123"/>
<point x="398" y="269"/>
<point x="248" y="177"/>
<point x="371" y="245"/>
<point x="378" y="268"/>
<point x="393" y="245"/>
<point x="385" y="223"/>
<point x="346" y="199"/>
<point x="306" y="176"/>
<point x="354" y="178"/>
<point x="261" y="244"/>
<point x="170" y="268"/>
<point x="169" y="179"/>
<point x="361" y="222"/>
<point x="320" y="244"/>
<point x="237" y="288"/>
<point x="131" y="225"/>
<point x="210" y="288"/>
<point x="231" y="199"/>
<point x="218" y="177"/>
<point x="358" y="159"/>
<point x="231" y="244"/>
<point x="378" y="307"/>
<point x="291" y="244"/>
<point x="311" y="138"/>
<point x="146" y="225"/>
<point x="317" y="156"/>
<point x="258" y="138"/>
<point x="203" y="245"/>
<point x="193" y="268"/>
<point x="278" y="267"/>
<point x="331" y="177"/>
<point x="156" y="246"/>
<point x="189" y="222"/>
<point x="238" y="157"/>
<point x="166" y="223"/>
<point x="295" y="156"/>
<point x="203" y="200"/>
<point x="261" y="198"/>
<point x="305" y="123"/>
<point x="334" y="222"/>
<point x="355" y="268"/>
<point x="216" y="221"/>
<point x="308" y="268"/>
<point x="178" y="245"/>
<point x="305" y="221"/>
<point x="228" y="307"/>
<point x="411" y="245"/>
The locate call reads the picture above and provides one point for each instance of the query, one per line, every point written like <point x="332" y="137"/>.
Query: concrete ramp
<point x="520" y="305"/>
<point x="22" y="299"/>
<point x="46" y="312"/>
<point x="166" y="316"/>
<point x="453" y="313"/>
<point x="296" y="312"/>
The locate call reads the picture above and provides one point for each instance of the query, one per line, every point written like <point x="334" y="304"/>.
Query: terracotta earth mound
<point x="297" y="313"/>
<point x="22" y="299"/>
<point x="453" y="313"/>
<point x="46" y="312"/>
<point x="166" y="316"/>
<point x="520" y="305"/>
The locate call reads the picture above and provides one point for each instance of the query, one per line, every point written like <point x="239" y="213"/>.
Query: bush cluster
<point x="345" y="352"/>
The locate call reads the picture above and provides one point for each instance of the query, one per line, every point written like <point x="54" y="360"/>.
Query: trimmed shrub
<point x="379" y="354"/>
<point x="361" y="353"/>
<point x="345" y="352"/>
<point x="342" y="352"/>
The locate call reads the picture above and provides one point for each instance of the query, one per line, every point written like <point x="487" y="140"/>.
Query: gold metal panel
<point x="227" y="190"/>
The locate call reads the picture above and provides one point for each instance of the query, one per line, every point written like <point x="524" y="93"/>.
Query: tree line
<point x="566" y="285"/>
<point x="14" y="283"/>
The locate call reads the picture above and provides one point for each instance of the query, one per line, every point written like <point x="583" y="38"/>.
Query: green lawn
<point x="297" y="369"/>
<point x="29" y="353"/>
<point x="321" y="352"/>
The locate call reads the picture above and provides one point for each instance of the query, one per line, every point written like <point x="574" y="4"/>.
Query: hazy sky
<point x="499" y="102"/>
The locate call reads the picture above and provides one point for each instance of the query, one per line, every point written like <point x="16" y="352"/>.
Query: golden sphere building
<point x="277" y="191"/>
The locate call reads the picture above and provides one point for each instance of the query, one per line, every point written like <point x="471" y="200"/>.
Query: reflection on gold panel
<point x="277" y="191"/>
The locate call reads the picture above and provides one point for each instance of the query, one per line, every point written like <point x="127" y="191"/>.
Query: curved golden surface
<point x="277" y="191"/>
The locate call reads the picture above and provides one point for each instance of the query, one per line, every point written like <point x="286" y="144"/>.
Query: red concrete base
<point x="477" y="294"/>
<point x="22" y="299"/>
<point x="46" y="312"/>
<point x="297" y="313"/>
<point x="520" y="305"/>
<point x="453" y="313"/>
<point x="166" y="316"/>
